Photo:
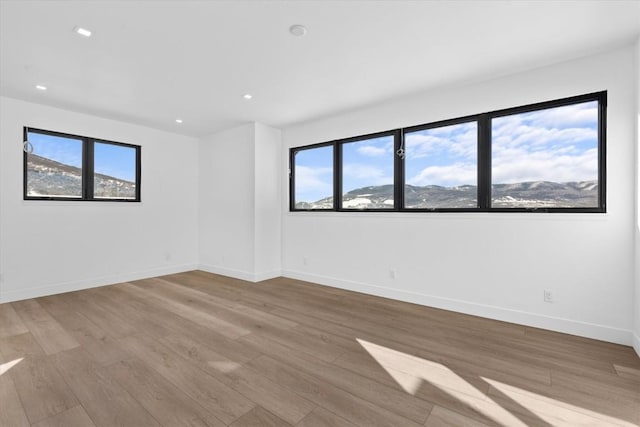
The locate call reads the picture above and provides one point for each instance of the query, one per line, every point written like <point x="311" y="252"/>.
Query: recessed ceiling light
<point x="82" y="31"/>
<point x="298" y="30"/>
<point x="178" y="120"/>
<point x="40" y="87"/>
<point x="247" y="96"/>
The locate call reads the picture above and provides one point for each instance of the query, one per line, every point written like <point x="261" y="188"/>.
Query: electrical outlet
<point x="392" y="273"/>
<point x="305" y="261"/>
<point x="548" y="296"/>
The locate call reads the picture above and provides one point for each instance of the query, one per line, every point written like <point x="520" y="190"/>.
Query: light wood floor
<point x="197" y="349"/>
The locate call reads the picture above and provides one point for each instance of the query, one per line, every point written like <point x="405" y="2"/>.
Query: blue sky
<point x="110" y="159"/>
<point x="367" y="163"/>
<point x="558" y="144"/>
<point x="314" y="174"/>
<point x="445" y="156"/>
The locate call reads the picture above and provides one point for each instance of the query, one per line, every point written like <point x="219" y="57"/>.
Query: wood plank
<point x="259" y="417"/>
<point x="10" y="322"/>
<point x="270" y="395"/>
<point x="95" y="340"/>
<point x="174" y="325"/>
<point x="164" y="401"/>
<point x="189" y="296"/>
<point x="105" y="401"/>
<point x="334" y="399"/>
<point x="41" y="388"/>
<point x="224" y="402"/>
<point x="203" y="318"/>
<point x="52" y="337"/>
<point x="442" y="417"/>
<point x="101" y="314"/>
<point x="109" y="298"/>
<point x="11" y="410"/>
<point x="443" y="351"/>
<point x="626" y="372"/>
<point x="391" y="398"/>
<point x="259" y="389"/>
<point x="605" y="398"/>
<point x="548" y="411"/>
<point x="74" y="417"/>
<point x="18" y="346"/>
<point x="320" y="417"/>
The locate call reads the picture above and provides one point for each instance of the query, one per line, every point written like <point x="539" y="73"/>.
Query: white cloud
<point x="517" y="165"/>
<point x="371" y="174"/>
<point x="372" y="151"/>
<point x="313" y="183"/>
<point x="456" y="141"/>
<point x="557" y="145"/>
<point x="577" y="115"/>
<point x="537" y="137"/>
<point x="448" y="176"/>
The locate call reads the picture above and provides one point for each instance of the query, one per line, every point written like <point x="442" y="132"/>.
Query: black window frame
<point x="338" y="167"/>
<point x="443" y="123"/>
<point x="484" y="160"/>
<point x="88" y="162"/>
<point x="292" y="183"/>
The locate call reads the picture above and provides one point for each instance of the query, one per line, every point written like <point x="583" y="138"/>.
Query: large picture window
<point x="545" y="157"/>
<point x="58" y="166"/>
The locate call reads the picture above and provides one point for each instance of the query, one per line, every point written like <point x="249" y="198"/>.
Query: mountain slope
<point x="46" y="177"/>
<point x="536" y="194"/>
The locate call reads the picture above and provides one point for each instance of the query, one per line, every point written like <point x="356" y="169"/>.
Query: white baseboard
<point x="240" y="274"/>
<point x="59" y="288"/>
<point x="568" y="326"/>
<point x="636" y="344"/>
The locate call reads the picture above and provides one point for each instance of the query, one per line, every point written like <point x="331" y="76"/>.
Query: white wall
<point x="239" y="201"/>
<point x="226" y="200"/>
<point x="50" y="247"/>
<point x="268" y="197"/>
<point x="493" y="265"/>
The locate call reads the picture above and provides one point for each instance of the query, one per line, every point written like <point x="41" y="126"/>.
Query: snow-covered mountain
<point x="537" y="194"/>
<point x="46" y="177"/>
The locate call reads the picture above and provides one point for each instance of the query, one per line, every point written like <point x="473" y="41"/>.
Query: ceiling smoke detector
<point x="298" y="30"/>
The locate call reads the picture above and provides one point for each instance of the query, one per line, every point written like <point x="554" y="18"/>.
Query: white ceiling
<point x="150" y="62"/>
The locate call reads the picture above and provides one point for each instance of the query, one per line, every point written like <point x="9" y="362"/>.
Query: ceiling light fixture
<point x="82" y="31"/>
<point x="298" y="30"/>
<point x="40" y="87"/>
<point x="178" y="120"/>
<point x="247" y="96"/>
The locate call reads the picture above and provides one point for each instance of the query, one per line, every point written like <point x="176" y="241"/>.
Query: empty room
<point x="341" y="213"/>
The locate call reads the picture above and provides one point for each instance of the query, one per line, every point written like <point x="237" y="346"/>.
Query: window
<point x="54" y="167"/>
<point x="114" y="174"/>
<point x="313" y="183"/>
<point x="368" y="173"/>
<point x="545" y="157"/>
<point x="68" y="167"/>
<point x="441" y="167"/>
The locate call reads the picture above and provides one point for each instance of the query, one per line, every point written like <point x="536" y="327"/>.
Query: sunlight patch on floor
<point x="224" y="366"/>
<point x="553" y="411"/>
<point x="410" y="371"/>
<point x="4" y="367"/>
